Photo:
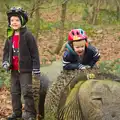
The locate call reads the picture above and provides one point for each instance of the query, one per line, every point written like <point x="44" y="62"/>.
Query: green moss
<point x="73" y="92"/>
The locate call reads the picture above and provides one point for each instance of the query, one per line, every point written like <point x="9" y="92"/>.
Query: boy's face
<point x="79" y="47"/>
<point x="15" y="22"/>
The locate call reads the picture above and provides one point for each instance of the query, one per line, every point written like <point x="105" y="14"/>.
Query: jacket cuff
<point x="36" y="71"/>
<point x="5" y="63"/>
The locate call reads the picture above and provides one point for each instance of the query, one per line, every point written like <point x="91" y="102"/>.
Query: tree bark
<point x="96" y="11"/>
<point x="61" y="33"/>
<point x="7" y="6"/>
<point x="37" y="18"/>
<point x="118" y="9"/>
<point x="118" y="13"/>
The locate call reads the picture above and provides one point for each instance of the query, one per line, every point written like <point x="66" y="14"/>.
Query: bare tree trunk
<point x="32" y="10"/>
<point x="118" y="9"/>
<point x="118" y="13"/>
<point x="96" y="11"/>
<point x="90" y="13"/>
<point x="7" y="6"/>
<point x="61" y="33"/>
<point x="37" y="18"/>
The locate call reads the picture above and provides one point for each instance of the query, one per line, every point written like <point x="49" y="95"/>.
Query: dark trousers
<point x="22" y="83"/>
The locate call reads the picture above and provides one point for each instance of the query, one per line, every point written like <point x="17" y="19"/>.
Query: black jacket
<point x="71" y="61"/>
<point x="28" y="52"/>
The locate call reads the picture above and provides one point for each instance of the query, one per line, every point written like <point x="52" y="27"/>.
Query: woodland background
<point x="51" y="20"/>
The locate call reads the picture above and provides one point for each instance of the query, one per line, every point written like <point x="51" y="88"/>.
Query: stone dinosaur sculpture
<point x="77" y="96"/>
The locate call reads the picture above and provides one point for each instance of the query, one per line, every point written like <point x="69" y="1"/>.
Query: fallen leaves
<point x="5" y="103"/>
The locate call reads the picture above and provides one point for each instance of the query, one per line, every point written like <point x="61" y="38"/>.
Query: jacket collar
<point x="23" y="30"/>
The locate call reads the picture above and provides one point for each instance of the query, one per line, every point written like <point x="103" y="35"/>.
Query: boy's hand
<point x="81" y="67"/>
<point x="36" y="73"/>
<point x="6" y="65"/>
<point x="87" y="66"/>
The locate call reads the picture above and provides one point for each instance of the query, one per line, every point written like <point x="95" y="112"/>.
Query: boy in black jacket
<point x="22" y="58"/>
<point x="79" y="54"/>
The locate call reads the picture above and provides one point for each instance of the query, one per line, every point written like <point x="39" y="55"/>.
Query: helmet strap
<point x="70" y="49"/>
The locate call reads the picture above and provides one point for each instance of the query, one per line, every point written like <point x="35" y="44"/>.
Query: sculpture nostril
<point x="113" y="115"/>
<point x="97" y="99"/>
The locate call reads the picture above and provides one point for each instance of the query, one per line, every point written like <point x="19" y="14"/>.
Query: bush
<point x="112" y="67"/>
<point x="4" y="78"/>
